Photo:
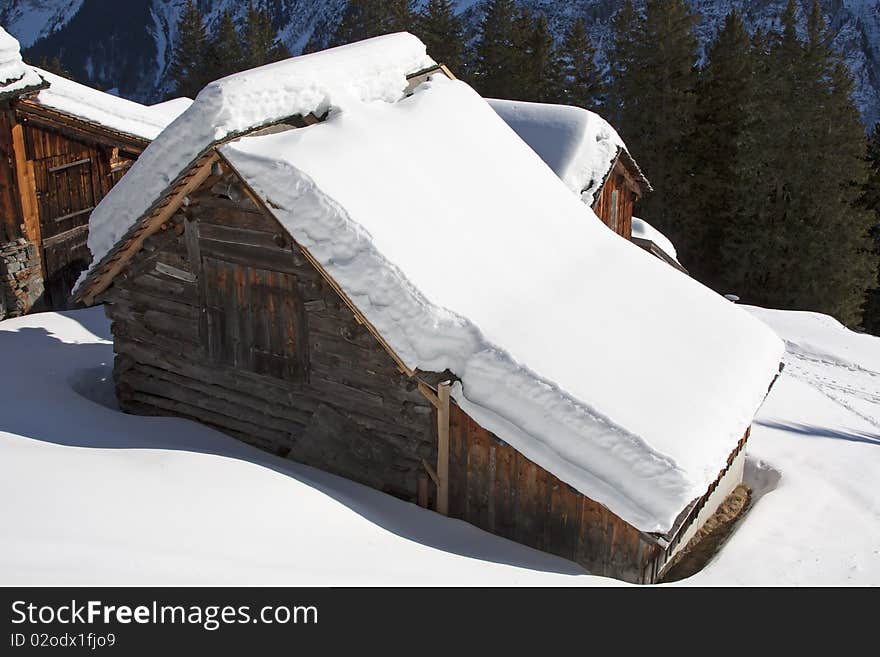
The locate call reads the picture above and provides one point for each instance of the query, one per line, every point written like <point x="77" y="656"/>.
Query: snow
<point x="467" y="253"/>
<point x="374" y="69"/>
<point x="171" y="109"/>
<point x="15" y="75"/>
<point x="97" y="497"/>
<point x="579" y="145"/>
<point x="106" y="109"/>
<point x="644" y="230"/>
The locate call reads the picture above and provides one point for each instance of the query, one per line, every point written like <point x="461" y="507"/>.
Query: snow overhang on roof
<point x="106" y="110"/>
<point x="492" y="275"/>
<point x="579" y="145"/>
<point x="16" y="77"/>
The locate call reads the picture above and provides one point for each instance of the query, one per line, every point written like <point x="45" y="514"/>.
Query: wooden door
<point x="67" y="191"/>
<point x="255" y="320"/>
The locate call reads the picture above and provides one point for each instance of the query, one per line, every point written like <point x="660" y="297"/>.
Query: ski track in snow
<point x="837" y="381"/>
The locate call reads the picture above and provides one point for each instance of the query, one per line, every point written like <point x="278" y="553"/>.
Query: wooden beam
<point x="27" y="192"/>
<point x="443" y="449"/>
<point x="431" y="472"/>
<point x="428" y="394"/>
<point x="151" y="225"/>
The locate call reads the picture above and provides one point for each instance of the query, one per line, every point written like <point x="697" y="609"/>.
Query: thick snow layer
<point x="579" y="145"/>
<point x="171" y="109"/>
<point x="97" y="497"/>
<point x="106" y="109"/>
<point x="588" y="355"/>
<point x="374" y="69"/>
<point x="15" y="75"/>
<point x="641" y="228"/>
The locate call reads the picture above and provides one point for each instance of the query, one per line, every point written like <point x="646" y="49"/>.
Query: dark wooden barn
<point x="220" y="315"/>
<point x="63" y="148"/>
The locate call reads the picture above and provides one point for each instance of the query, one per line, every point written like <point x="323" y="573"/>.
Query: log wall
<point x="614" y="206"/>
<point x="496" y="488"/>
<point x="222" y="320"/>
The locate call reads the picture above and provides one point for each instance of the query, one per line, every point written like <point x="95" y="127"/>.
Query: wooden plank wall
<point x="498" y="489"/>
<point x="197" y="334"/>
<point x="70" y="177"/>
<point x="11" y="219"/>
<point x="617" y="181"/>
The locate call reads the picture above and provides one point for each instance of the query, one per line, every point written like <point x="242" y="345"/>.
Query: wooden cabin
<point x="225" y="313"/>
<point x="592" y="160"/>
<point x="622" y="187"/>
<point x="63" y="148"/>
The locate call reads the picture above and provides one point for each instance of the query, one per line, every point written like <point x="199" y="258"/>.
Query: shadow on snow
<point x="62" y="393"/>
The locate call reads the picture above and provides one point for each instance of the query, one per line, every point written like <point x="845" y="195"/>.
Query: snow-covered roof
<point x="579" y="145"/>
<point x="465" y="252"/>
<point x="16" y="77"/>
<point x="644" y="230"/>
<point x="107" y="110"/>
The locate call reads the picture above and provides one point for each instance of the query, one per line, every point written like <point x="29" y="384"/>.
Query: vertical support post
<point x="443" y="448"/>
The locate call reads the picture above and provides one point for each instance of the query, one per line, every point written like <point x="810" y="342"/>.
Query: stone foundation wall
<point x="21" y="279"/>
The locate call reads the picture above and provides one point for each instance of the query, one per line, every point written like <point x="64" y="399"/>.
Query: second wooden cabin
<point x="372" y="275"/>
<point x="62" y="148"/>
<point x="591" y="159"/>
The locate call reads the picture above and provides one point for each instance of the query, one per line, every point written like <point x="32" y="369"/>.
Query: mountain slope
<point x="128" y="45"/>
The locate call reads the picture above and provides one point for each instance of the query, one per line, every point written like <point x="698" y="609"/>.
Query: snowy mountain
<point x="128" y="45"/>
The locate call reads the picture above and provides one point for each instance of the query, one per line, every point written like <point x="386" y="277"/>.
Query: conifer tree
<point x="541" y="69"/>
<point x="496" y="56"/>
<point x="654" y="62"/>
<point x="363" y="19"/>
<point x="583" y="84"/>
<point x="800" y="235"/>
<point x="871" y="202"/>
<point x="442" y="31"/>
<point x="190" y="65"/>
<point x="724" y="103"/>
<point x="259" y="41"/>
<point x="225" y="49"/>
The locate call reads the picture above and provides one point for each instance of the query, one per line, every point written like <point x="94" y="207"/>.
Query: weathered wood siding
<point x="494" y="487"/>
<point x="222" y="320"/>
<point x="70" y="178"/>
<point x="615" y="203"/>
<point x="10" y="222"/>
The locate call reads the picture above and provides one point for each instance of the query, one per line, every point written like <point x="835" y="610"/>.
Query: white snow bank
<point x="820" y="430"/>
<point x="15" y="75"/>
<point x="106" y="109"/>
<point x="821" y="336"/>
<point x="579" y="145"/>
<point x="591" y="357"/>
<point x="641" y="228"/>
<point x="374" y="69"/>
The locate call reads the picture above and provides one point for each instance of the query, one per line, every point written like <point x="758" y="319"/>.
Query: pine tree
<point x="259" y="42"/>
<point x="225" y="49"/>
<point x="724" y="101"/>
<point x="55" y="66"/>
<point x="190" y="65"/>
<point x="496" y="56"/>
<point x="800" y="239"/>
<point x="583" y="84"/>
<point x="540" y="64"/>
<point x="363" y="19"/>
<point x="442" y="31"/>
<point x="871" y="202"/>
<point x="654" y="62"/>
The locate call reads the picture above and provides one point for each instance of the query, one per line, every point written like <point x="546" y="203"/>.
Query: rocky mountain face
<point x="127" y="45"/>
